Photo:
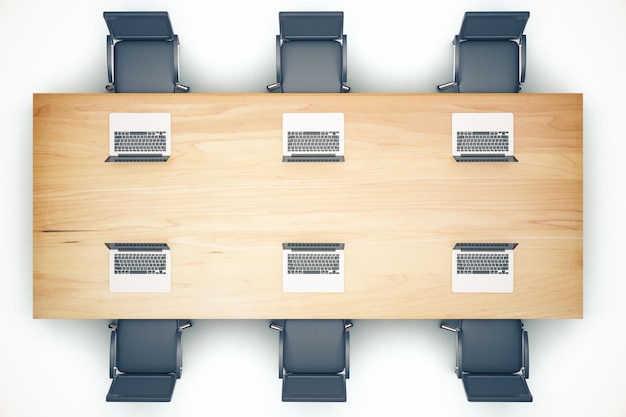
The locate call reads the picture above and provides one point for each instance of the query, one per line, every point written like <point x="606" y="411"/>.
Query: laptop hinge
<point x="313" y="158"/>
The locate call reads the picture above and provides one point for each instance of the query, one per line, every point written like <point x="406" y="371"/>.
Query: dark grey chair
<point x="313" y="359"/>
<point x="489" y="53"/>
<point x="142" y="53"/>
<point x="146" y="359"/>
<point x="492" y="359"/>
<point x="311" y="53"/>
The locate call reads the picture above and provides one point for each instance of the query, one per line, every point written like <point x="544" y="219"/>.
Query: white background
<point x="400" y="368"/>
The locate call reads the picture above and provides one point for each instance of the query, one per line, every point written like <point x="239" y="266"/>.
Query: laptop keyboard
<point x="482" y="263"/>
<point x="140" y="263"/>
<point x="492" y="141"/>
<point x="319" y="141"/>
<point x="146" y="141"/>
<point x="313" y="263"/>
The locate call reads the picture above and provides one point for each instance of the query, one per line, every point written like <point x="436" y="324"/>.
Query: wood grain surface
<point x="225" y="202"/>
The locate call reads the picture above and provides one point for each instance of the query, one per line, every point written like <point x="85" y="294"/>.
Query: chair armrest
<point x="182" y="88"/>
<point x="344" y="65"/>
<point x="443" y="87"/>
<point x="522" y="59"/>
<point x="525" y="355"/>
<point x="178" y="87"/>
<point x="455" y="65"/>
<point x="179" y="354"/>
<point x="110" y="47"/>
<point x="279" y="70"/>
<point x="281" y="343"/>
<point x="183" y="324"/>
<point x="279" y="74"/>
<point x="448" y="326"/>
<point x="279" y="327"/>
<point x="347" y="346"/>
<point x="459" y="345"/>
<point x="457" y="52"/>
<point x="113" y="350"/>
<point x="459" y="353"/>
<point x="176" y="58"/>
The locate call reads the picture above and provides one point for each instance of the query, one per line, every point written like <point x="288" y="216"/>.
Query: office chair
<point x="492" y="359"/>
<point x="142" y="53"/>
<point x="145" y="359"/>
<point x="313" y="359"/>
<point x="311" y="53"/>
<point x="489" y="53"/>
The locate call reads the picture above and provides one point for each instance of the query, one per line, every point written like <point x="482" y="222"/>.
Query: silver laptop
<point x="483" y="267"/>
<point x="313" y="137"/>
<point x="313" y="267"/>
<point x="139" y="267"/>
<point x="483" y="137"/>
<point x="139" y="137"/>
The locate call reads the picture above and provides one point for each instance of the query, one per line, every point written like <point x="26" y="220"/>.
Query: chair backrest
<point x="147" y="347"/>
<point x="493" y="25"/>
<point x="311" y="25"/>
<point x="491" y="346"/>
<point x="314" y="346"/>
<point x="139" y="25"/>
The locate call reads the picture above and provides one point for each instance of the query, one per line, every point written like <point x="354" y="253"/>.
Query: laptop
<point x="139" y="267"/>
<point x="483" y="267"/>
<point x="139" y="137"/>
<point x="313" y="267"/>
<point x="313" y="137"/>
<point x="483" y="137"/>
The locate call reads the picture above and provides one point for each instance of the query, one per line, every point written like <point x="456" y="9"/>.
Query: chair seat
<point x="142" y="388"/>
<point x="496" y="388"/>
<point x="145" y="67"/>
<point x="488" y="67"/>
<point x="311" y="67"/>
<point x="314" y="388"/>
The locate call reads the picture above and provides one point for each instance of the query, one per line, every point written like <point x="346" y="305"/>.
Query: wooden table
<point x="225" y="202"/>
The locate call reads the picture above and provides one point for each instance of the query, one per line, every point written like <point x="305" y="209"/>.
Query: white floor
<point x="59" y="367"/>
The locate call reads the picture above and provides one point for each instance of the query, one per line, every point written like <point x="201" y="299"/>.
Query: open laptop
<point x="139" y="267"/>
<point x="483" y="267"/>
<point x="313" y="267"/>
<point x="139" y="137"/>
<point x="483" y="137"/>
<point x="313" y="137"/>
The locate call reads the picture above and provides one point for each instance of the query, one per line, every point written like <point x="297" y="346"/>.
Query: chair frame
<point x="457" y="329"/>
<point x="280" y="327"/>
<point x="456" y="42"/>
<point x="280" y="40"/>
<point x="114" y="372"/>
<point x="113" y="40"/>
